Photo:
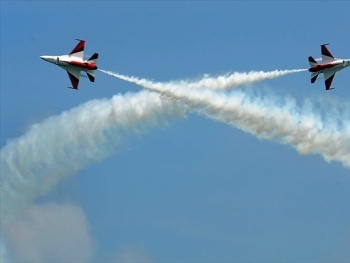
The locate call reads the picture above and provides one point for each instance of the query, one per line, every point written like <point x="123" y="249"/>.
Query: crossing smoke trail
<point x="225" y="82"/>
<point x="61" y="145"/>
<point x="308" y="128"/>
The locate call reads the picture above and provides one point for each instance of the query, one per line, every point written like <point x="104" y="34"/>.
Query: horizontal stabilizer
<point x="93" y="58"/>
<point x="312" y="62"/>
<point x="314" y="76"/>
<point x="91" y="75"/>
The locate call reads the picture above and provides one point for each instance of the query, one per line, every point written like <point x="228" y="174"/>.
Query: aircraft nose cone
<point x="44" y="58"/>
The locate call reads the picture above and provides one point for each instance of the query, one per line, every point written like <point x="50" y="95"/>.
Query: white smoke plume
<point x="61" y="145"/>
<point x="224" y="82"/>
<point x="310" y="128"/>
<point x="50" y="232"/>
<point x="233" y="80"/>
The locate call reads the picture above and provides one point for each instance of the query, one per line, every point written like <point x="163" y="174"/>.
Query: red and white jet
<point x="329" y="66"/>
<point x="74" y="63"/>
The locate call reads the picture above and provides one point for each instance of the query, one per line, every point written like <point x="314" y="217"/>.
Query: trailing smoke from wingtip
<point x="311" y="128"/>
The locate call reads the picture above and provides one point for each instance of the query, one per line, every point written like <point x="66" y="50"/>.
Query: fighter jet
<point x="74" y="63"/>
<point x="328" y="66"/>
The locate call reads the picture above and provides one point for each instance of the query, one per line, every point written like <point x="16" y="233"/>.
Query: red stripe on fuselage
<point x="318" y="68"/>
<point x="83" y="65"/>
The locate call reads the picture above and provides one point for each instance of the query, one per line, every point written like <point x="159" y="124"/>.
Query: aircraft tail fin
<point x="91" y="75"/>
<point x="93" y="58"/>
<point x="314" y="76"/>
<point x="312" y="62"/>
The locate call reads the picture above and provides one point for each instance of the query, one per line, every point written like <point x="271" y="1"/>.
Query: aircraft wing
<point x="74" y="75"/>
<point x="326" y="55"/>
<point x="328" y="78"/>
<point x="78" y="51"/>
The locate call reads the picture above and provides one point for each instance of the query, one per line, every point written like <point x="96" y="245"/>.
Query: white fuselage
<point x="336" y="65"/>
<point x="70" y="61"/>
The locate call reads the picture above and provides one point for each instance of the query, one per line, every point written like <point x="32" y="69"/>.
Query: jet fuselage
<point x="74" y="63"/>
<point x="64" y="61"/>
<point x="336" y="65"/>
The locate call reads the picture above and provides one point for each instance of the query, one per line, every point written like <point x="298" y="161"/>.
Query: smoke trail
<point x="234" y="80"/>
<point x="309" y="128"/>
<point x="224" y="82"/>
<point x="64" y="144"/>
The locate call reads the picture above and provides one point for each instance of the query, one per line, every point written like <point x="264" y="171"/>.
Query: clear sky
<point x="193" y="190"/>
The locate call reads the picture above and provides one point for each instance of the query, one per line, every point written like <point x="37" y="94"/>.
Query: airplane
<point x="74" y="63"/>
<point x="328" y="66"/>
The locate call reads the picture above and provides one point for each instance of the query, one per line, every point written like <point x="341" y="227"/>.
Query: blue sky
<point x="196" y="190"/>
